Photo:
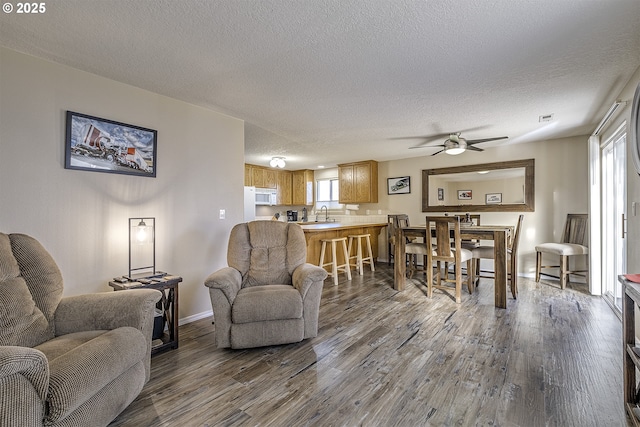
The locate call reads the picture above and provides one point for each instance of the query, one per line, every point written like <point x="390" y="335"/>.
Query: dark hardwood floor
<point x="387" y="358"/>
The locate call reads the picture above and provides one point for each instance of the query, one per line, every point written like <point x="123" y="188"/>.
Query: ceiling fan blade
<point x="477" y="141"/>
<point x="471" y="147"/>
<point x="425" y="146"/>
<point x="426" y="139"/>
<point x="437" y="152"/>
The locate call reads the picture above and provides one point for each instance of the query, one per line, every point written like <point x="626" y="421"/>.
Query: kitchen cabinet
<point x="358" y="182"/>
<point x="260" y="177"/>
<point x="248" y="175"/>
<point x="270" y="178"/>
<point x="302" y="187"/>
<point x="284" y="194"/>
<point x="292" y="187"/>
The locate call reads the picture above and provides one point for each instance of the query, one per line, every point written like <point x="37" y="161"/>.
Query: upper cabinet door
<point x="358" y="182"/>
<point x="260" y="177"/>
<point x="284" y="187"/>
<point x="303" y="187"/>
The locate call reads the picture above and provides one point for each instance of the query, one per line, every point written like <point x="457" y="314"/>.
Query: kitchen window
<point x="327" y="190"/>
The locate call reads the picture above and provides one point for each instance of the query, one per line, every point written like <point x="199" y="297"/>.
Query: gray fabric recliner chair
<point x="268" y="295"/>
<point x="72" y="361"/>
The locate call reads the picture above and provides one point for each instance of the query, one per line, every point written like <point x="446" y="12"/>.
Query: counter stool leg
<point x="334" y="264"/>
<point x="349" y="256"/>
<point x="373" y="268"/>
<point x="324" y="247"/>
<point x="346" y="259"/>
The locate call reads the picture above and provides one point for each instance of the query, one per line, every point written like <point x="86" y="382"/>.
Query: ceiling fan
<point x="455" y="144"/>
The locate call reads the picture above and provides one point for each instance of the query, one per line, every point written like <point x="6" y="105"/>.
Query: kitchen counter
<point x="310" y="227"/>
<point x="314" y="232"/>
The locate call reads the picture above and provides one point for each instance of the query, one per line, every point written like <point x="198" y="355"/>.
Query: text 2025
<point x="31" y="7"/>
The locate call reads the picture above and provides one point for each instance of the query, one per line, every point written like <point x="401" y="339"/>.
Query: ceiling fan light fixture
<point x="277" y="162"/>
<point x="454" y="150"/>
<point x="455" y="145"/>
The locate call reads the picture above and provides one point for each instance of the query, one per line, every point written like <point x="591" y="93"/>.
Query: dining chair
<point x="469" y="244"/>
<point x="574" y="243"/>
<point x="472" y="243"/>
<point x="392" y="225"/>
<point x="412" y="248"/>
<point x="487" y="252"/>
<point x="447" y="249"/>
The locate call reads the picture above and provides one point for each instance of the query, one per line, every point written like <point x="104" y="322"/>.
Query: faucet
<point x="326" y="213"/>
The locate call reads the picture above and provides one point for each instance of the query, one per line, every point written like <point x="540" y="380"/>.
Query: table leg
<point x="500" y="266"/>
<point x="175" y="316"/>
<point x="399" y="264"/>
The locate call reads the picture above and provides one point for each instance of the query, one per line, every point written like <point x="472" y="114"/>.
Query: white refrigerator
<point x="249" y="204"/>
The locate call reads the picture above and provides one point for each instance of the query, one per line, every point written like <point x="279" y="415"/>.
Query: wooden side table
<point x="168" y="305"/>
<point x="630" y="349"/>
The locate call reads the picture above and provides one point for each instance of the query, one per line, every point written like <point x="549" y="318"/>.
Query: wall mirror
<point x="634" y="129"/>
<point x="488" y="187"/>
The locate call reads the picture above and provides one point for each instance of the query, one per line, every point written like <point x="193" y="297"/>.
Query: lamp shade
<point x="142" y="246"/>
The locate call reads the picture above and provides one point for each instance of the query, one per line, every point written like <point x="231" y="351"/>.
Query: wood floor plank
<point x="389" y="358"/>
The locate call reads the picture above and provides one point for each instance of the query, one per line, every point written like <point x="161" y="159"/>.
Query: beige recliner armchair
<point x="268" y="295"/>
<point x="73" y="361"/>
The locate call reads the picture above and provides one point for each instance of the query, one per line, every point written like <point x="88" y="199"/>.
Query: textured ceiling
<point x="327" y="81"/>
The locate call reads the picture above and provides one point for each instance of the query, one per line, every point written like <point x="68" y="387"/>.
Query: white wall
<point x="81" y="217"/>
<point x="561" y="170"/>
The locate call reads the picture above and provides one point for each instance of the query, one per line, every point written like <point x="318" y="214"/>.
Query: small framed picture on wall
<point x="399" y="185"/>
<point x="465" y="195"/>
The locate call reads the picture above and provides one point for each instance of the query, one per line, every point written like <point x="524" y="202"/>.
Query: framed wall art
<point x="493" y="198"/>
<point x="399" y="185"/>
<point x="101" y="145"/>
<point x="465" y="195"/>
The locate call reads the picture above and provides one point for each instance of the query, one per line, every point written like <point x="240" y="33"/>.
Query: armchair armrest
<point x="305" y="275"/>
<point x="107" y="310"/>
<point x="228" y="280"/>
<point x="24" y="382"/>
<point x="28" y="362"/>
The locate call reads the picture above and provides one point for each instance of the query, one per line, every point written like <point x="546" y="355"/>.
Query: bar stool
<point x="360" y="259"/>
<point x="334" y="258"/>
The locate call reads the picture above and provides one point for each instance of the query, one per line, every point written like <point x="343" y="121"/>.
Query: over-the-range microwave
<point x="265" y="196"/>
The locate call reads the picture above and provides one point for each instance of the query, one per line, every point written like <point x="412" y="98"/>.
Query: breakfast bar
<point x="316" y="231"/>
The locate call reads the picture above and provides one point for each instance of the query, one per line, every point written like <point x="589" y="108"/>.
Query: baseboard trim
<point x="194" y="317"/>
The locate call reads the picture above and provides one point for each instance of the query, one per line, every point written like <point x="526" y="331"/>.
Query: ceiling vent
<point x="545" y="118"/>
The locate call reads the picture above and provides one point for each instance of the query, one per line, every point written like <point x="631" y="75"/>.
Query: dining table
<point x="498" y="233"/>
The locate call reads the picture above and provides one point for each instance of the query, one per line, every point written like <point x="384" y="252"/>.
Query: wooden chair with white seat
<point x="412" y="248"/>
<point x="574" y="243"/>
<point x="447" y="249"/>
<point x="487" y="252"/>
<point x="472" y="243"/>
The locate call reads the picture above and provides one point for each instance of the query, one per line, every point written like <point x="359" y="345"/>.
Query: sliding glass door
<point x="614" y="201"/>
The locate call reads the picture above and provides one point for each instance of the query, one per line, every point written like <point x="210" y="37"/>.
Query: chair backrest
<point x="266" y="252"/>
<point x="575" y="229"/>
<point x="395" y="221"/>
<point x="30" y="290"/>
<point x="516" y="236"/>
<point x="475" y="220"/>
<point x="443" y="226"/>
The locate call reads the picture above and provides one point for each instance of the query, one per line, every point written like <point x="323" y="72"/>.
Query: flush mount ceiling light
<point x="277" y="162"/>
